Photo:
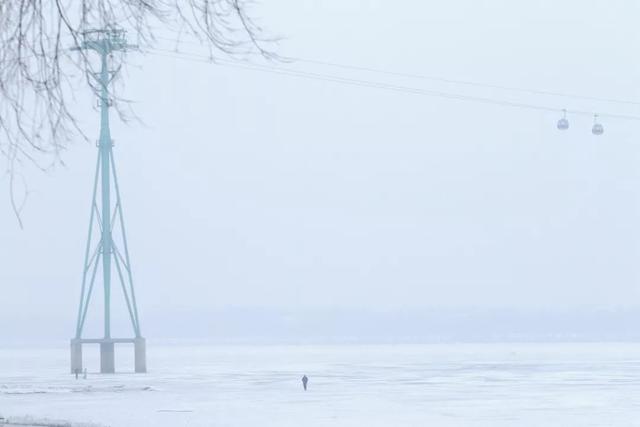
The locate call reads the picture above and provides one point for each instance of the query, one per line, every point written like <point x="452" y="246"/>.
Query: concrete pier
<point x="76" y="356"/>
<point x="140" y="354"/>
<point x="107" y="358"/>
<point x="107" y="353"/>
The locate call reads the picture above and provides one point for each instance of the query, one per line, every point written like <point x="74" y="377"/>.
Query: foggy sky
<point x="248" y="189"/>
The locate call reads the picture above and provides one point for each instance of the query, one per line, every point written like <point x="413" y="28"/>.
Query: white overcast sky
<point x="250" y="189"/>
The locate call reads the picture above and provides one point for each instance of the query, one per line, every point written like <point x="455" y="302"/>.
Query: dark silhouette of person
<point x="305" y="380"/>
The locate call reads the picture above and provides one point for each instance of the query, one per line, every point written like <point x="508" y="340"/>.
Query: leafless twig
<point x="39" y="72"/>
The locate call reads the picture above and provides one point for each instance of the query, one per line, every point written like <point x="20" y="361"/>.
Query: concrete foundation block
<point x="140" y="350"/>
<point x="107" y="353"/>
<point x="76" y="356"/>
<point x="107" y="358"/>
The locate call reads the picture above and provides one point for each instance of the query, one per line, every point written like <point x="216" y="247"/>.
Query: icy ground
<point x="433" y="385"/>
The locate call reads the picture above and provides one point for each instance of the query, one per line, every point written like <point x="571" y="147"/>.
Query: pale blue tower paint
<point x="105" y="157"/>
<point x="109" y="217"/>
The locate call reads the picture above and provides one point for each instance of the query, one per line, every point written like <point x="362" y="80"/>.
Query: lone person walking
<point x="305" y="380"/>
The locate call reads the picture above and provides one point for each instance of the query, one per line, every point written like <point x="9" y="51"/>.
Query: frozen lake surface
<point x="405" y="385"/>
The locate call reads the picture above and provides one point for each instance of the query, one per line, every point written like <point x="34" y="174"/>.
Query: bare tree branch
<point x="39" y="71"/>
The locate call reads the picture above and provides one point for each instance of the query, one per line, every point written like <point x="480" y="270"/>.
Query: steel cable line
<point x="472" y="83"/>
<point x="442" y="79"/>
<point x="377" y="85"/>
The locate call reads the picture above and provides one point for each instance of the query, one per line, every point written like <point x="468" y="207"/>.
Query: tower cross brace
<point x="107" y="224"/>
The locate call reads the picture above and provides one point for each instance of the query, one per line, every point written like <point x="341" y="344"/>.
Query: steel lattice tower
<point x="106" y="224"/>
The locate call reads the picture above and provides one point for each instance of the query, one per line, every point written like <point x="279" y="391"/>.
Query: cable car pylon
<point x="106" y="224"/>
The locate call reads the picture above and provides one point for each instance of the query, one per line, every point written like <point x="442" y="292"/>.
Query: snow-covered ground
<point x="405" y="385"/>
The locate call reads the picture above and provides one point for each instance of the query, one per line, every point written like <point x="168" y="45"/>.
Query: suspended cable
<point x="472" y="83"/>
<point x="443" y="79"/>
<point x="376" y="85"/>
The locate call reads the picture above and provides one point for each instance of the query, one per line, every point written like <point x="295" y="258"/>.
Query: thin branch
<point x="40" y="73"/>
